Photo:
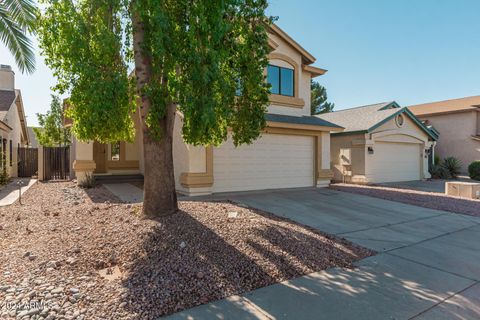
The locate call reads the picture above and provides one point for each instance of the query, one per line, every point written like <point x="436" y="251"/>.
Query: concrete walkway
<point x="126" y="192"/>
<point x="9" y="193"/>
<point x="428" y="266"/>
<point x="434" y="185"/>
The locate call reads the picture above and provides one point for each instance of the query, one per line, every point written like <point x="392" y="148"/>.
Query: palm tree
<point x="17" y="17"/>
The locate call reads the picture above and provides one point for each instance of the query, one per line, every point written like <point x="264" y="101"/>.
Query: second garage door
<point x="393" y="162"/>
<point x="273" y="161"/>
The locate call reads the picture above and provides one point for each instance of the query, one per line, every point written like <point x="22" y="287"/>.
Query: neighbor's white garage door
<point x="395" y="162"/>
<point x="273" y="161"/>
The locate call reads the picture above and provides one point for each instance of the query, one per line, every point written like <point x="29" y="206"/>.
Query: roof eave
<point x="307" y="57"/>
<point x="405" y="110"/>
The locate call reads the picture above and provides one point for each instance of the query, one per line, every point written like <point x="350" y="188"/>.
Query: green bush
<point x="439" y="172"/>
<point x="436" y="160"/>
<point x="452" y="165"/>
<point x="474" y="170"/>
<point x="88" y="182"/>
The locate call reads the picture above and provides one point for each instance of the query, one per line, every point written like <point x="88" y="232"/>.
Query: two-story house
<point x="293" y="150"/>
<point x="458" y="122"/>
<point x="13" y="125"/>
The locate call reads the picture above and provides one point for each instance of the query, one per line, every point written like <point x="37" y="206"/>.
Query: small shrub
<point x="452" y="165"/>
<point x="436" y="160"/>
<point x="474" y="170"/>
<point x="4" y="178"/>
<point x="88" y="182"/>
<point x="439" y="172"/>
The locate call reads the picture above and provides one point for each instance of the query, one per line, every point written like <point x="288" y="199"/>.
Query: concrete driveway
<point x="428" y="266"/>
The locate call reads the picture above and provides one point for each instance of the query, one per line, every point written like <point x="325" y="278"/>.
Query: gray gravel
<point x="432" y="200"/>
<point x="70" y="253"/>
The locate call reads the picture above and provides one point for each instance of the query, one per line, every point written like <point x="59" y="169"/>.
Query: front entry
<point x="100" y="157"/>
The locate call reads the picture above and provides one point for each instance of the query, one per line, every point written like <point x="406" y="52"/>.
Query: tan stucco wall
<point x="304" y="81"/>
<point x="455" y="139"/>
<point x="363" y="167"/>
<point x="7" y="79"/>
<point x="13" y="120"/>
<point x="339" y="142"/>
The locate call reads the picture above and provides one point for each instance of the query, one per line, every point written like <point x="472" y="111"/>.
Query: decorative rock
<point x="57" y="290"/>
<point x="232" y="215"/>
<point x="183" y="244"/>
<point x="71" y="260"/>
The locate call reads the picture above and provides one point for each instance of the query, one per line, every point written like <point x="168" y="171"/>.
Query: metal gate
<point x="27" y="162"/>
<point x="56" y="163"/>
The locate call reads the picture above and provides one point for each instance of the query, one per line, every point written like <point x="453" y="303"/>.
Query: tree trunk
<point x="159" y="196"/>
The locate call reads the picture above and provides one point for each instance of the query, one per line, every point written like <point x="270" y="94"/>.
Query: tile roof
<point x="361" y="118"/>
<point x="307" y="120"/>
<point x="7" y="97"/>
<point x="447" y="106"/>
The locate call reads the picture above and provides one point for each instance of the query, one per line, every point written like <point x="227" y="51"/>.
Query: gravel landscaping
<point x="69" y="253"/>
<point x="432" y="200"/>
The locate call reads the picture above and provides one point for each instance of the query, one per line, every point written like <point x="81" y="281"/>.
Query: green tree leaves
<point x="83" y="44"/>
<point x="319" y="102"/>
<point x="52" y="133"/>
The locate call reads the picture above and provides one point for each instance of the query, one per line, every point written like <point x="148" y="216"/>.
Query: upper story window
<point x="281" y="80"/>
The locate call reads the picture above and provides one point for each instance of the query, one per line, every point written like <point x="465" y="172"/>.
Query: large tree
<point x="17" y="18"/>
<point x="319" y="103"/>
<point x="52" y="132"/>
<point x="189" y="55"/>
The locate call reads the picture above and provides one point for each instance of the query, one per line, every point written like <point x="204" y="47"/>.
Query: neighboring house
<point x="293" y="151"/>
<point x="458" y="122"/>
<point x="32" y="137"/>
<point x="13" y="126"/>
<point x="381" y="143"/>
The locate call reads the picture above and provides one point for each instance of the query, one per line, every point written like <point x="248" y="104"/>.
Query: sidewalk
<point x="9" y="193"/>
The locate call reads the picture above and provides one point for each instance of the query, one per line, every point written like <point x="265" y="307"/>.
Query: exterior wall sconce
<point x="370" y="150"/>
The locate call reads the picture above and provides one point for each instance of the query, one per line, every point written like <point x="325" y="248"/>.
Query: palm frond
<point x="14" y="37"/>
<point x="23" y="12"/>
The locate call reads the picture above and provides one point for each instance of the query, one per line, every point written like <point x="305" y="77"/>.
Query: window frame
<point x="280" y="93"/>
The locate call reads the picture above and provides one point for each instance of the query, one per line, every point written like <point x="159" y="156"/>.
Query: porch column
<point x="83" y="165"/>
<point x="322" y="148"/>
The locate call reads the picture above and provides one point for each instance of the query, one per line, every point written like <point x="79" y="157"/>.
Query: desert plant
<point x="439" y="172"/>
<point x="474" y="170"/>
<point x="4" y="178"/>
<point x="452" y="165"/>
<point x="88" y="182"/>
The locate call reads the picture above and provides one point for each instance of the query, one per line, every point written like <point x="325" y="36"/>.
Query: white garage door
<point x="273" y="161"/>
<point x="395" y="162"/>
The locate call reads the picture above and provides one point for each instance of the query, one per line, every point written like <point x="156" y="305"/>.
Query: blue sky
<point x="411" y="51"/>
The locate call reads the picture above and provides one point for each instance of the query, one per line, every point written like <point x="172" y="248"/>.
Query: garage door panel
<point x="394" y="162"/>
<point x="273" y="161"/>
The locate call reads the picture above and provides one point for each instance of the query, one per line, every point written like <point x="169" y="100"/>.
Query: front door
<point x="100" y="157"/>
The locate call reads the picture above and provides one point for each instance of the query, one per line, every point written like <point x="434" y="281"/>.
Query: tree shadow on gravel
<point x="184" y="263"/>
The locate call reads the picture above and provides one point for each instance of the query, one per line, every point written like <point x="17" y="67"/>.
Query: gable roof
<point x="447" y="106"/>
<point x="7" y="97"/>
<point x="302" y="120"/>
<point x="307" y="57"/>
<point x="7" y="100"/>
<point x="367" y="118"/>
